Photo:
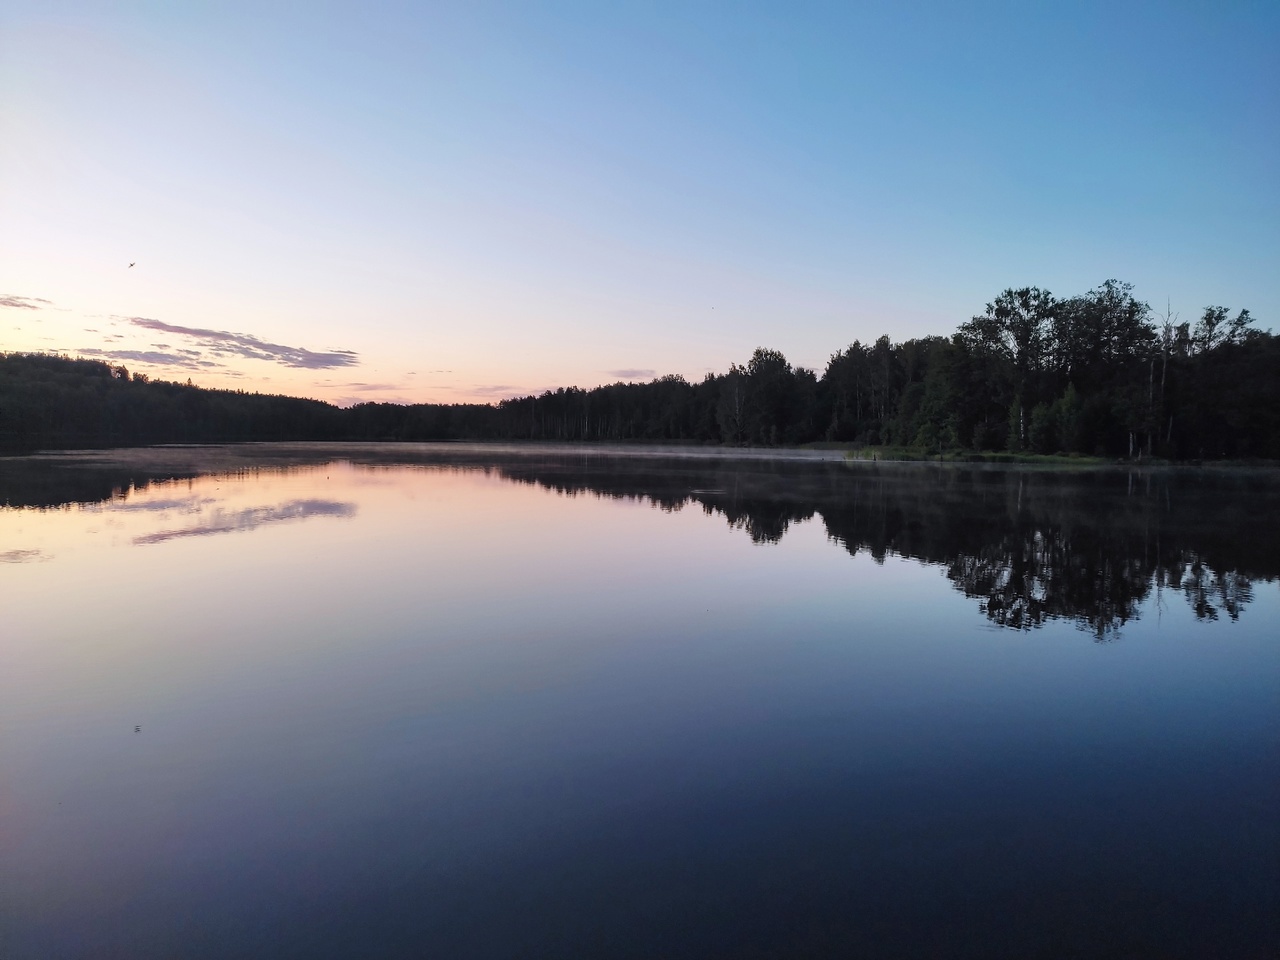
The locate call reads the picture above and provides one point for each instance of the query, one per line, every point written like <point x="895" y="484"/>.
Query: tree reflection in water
<point x="1030" y="545"/>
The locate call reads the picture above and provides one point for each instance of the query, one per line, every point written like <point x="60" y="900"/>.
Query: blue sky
<point x="453" y="202"/>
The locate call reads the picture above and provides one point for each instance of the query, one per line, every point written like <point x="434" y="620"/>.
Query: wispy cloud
<point x="353" y="400"/>
<point x="24" y="556"/>
<point x="359" y="393"/>
<point x="238" y="521"/>
<point x="223" y="343"/>
<point x="150" y="356"/>
<point x="632" y="374"/>
<point x="24" y="303"/>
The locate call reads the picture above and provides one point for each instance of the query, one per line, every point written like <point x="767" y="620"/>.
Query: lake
<point x="479" y="701"/>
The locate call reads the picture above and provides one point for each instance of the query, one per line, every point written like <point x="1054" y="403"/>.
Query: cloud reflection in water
<point x="223" y="521"/>
<point x="185" y="504"/>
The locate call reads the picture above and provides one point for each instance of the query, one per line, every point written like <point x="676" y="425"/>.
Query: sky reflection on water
<point x="483" y="705"/>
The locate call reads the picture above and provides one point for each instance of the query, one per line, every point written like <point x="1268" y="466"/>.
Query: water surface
<point x="309" y="701"/>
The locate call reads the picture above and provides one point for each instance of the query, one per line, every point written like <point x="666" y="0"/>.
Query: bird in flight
<point x="131" y="265"/>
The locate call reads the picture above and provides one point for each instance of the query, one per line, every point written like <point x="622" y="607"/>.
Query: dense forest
<point x="1095" y="374"/>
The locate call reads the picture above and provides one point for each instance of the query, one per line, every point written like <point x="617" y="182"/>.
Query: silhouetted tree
<point x="1089" y="374"/>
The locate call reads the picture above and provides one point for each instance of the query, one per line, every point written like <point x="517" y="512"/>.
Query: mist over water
<point x="299" y="700"/>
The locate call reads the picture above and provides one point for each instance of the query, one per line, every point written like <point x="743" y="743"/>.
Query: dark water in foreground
<point x="305" y="701"/>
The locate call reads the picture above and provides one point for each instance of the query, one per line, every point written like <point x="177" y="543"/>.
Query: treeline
<point x="49" y="401"/>
<point x="1096" y="374"/>
<point x="1092" y="374"/>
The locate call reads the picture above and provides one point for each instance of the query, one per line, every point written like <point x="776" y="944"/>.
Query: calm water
<point x="306" y="701"/>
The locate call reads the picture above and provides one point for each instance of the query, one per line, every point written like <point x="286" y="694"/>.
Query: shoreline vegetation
<point x="917" y="455"/>
<point x="235" y="455"/>
<point x="1090" y="379"/>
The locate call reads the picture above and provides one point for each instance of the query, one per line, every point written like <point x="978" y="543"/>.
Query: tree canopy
<point x="1093" y="374"/>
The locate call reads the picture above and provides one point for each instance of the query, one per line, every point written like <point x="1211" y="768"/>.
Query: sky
<point x="464" y="202"/>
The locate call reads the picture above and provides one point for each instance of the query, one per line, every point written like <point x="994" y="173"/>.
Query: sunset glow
<point x="456" y="203"/>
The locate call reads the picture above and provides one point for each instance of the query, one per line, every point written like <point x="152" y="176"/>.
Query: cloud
<point x="239" y="521"/>
<point x="148" y="356"/>
<point x="356" y="398"/>
<point x="23" y="303"/>
<point x="630" y="374"/>
<point x="355" y="401"/>
<point x="222" y="343"/>
<point x="496" y="389"/>
<point x="24" y="556"/>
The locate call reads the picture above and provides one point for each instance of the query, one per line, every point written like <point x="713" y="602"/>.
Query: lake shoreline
<point x="813" y="453"/>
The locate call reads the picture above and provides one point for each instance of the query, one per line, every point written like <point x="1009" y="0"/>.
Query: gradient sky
<point x="466" y="201"/>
